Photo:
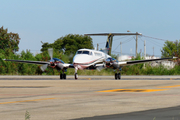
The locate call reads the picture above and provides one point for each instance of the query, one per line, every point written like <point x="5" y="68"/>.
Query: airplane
<point x="87" y="59"/>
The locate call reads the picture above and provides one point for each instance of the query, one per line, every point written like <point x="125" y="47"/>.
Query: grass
<point x="27" y="115"/>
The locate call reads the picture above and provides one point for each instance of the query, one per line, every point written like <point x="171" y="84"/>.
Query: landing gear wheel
<point x="76" y="76"/>
<point x="61" y="76"/>
<point x="116" y="76"/>
<point x="119" y="75"/>
<point x="64" y="76"/>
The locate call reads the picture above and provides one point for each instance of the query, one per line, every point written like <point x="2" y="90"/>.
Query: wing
<point x="71" y="66"/>
<point x="30" y="62"/>
<point x="124" y="63"/>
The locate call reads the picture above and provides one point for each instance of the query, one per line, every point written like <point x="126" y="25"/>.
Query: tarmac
<point x="90" y="98"/>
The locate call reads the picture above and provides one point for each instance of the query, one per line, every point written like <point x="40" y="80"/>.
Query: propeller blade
<point x="50" y="51"/>
<point x="100" y="68"/>
<point x="43" y="67"/>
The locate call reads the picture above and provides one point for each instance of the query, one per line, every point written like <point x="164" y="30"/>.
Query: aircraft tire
<point x="76" y="76"/>
<point x="61" y="76"/>
<point x="116" y="76"/>
<point x="119" y="75"/>
<point x="64" y="76"/>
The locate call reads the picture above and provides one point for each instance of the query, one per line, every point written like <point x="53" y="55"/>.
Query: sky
<point x="48" y="20"/>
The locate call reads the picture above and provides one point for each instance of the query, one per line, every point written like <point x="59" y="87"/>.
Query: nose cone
<point x="81" y="59"/>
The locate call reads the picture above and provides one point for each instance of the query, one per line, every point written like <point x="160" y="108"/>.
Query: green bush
<point x="12" y="68"/>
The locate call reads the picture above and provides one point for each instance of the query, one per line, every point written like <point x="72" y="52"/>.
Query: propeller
<point x="101" y="66"/>
<point x="43" y="67"/>
<point x="50" y="51"/>
<point x="54" y="62"/>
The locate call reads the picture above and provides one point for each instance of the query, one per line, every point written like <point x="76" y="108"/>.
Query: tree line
<point x="65" y="48"/>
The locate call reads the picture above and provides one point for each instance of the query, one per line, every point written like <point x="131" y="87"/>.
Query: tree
<point x="69" y="44"/>
<point x="45" y="46"/>
<point x="9" y="41"/>
<point x="171" y="49"/>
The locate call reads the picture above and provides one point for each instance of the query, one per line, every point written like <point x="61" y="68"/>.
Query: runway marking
<point x="24" y="86"/>
<point x="169" y="86"/>
<point x="27" y="100"/>
<point x="133" y="90"/>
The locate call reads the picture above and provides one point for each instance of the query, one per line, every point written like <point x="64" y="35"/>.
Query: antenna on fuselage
<point x="110" y="38"/>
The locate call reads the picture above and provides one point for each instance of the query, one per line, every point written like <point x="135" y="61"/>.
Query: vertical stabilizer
<point x="109" y="44"/>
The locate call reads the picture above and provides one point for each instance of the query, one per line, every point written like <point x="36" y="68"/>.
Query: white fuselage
<point x="85" y="58"/>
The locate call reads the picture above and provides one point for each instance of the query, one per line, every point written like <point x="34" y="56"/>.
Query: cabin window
<point x="97" y="54"/>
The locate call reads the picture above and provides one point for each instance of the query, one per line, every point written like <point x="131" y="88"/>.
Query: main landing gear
<point x="62" y="75"/>
<point x="117" y="76"/>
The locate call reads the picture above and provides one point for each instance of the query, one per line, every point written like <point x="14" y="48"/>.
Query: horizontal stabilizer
<point x="106" y="34"/>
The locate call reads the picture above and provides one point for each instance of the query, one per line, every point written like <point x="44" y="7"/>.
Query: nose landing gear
<point x="75" y="74"/>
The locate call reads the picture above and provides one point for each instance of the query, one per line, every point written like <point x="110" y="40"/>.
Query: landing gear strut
<point x="75" y="74"/>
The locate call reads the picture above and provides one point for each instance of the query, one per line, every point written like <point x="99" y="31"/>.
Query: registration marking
<point x="133" y="90"/>
<point x="27" y="100"/>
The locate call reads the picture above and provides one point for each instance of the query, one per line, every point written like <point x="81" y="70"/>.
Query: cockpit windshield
<point x="84" y="52"/>
<point x="79" y="52"/>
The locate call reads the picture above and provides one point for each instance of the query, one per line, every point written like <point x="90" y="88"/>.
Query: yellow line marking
<point x="27" y="100"/>
<point x="133" y="90"/>
<point x="169" y="86"/>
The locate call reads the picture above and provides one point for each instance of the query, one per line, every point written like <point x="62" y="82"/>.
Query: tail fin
<point x="109" y="44"/>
